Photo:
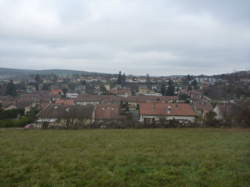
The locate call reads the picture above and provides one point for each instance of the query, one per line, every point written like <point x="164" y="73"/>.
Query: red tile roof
<point x="56" y="91"/>
<point x="65" y="102"/>
<point x="167" y="109"/>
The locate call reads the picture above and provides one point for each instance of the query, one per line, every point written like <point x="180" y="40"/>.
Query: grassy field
<point x="146" y="157"/>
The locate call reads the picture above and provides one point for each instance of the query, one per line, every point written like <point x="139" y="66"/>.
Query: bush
<point x="15" y="123"/>
<point x="11" y="114"/>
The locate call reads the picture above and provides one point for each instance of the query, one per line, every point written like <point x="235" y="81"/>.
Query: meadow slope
<point x="143" y="157"/>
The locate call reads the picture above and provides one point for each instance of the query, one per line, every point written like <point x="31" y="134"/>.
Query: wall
<point x="157" y="118"/>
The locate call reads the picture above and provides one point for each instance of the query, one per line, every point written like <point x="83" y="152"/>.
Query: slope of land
<point x="9" y="73"/>
<point x="148" y="157"/>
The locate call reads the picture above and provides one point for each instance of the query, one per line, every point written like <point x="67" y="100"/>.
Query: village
<point x="112" y="101"/>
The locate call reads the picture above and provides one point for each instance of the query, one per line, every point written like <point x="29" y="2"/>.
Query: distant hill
<point x="9" y="73"/>
<point x="235" y="75"/>
<point x="22" y="73"/>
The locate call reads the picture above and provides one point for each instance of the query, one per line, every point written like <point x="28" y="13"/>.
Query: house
<point x="105" y="112"/>
<point x="123" y="92"/>
<point x="143" y="90"/>
<point x="107" y="87"/>
<point x="65" y="102"/>
<point x="30" y="88"/>
<point x="65" y="116"/>
<point x="86" y="99"/>
<point x="10" y="107"/>
<point x="56" y="92"/>
<point x="195" y="94"/>
<point x="202" y="108"/>
<point x="205" y="79"/>
<point x="223" y="110"/>
<point x="80" y="88"/>
<point x="152" y="93"/>
<point x="72" y="95"/>
<point x="7" y="103"/>
<point x="111" y="99"/>
<point x="144" y="99"/>
<point x="182" y="112"/>
<point x="37" y="96"/>
<point x="25" y="104"/>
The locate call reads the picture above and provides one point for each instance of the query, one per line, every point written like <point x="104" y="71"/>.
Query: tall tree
<point x="194" y="84"/>
<point x="65" y="90"/>
<point x="11" y="89"/>
<point x="189" y="78"/>
<point x="54" y="77"/>
<point x="119" y="79"/>
<point x="123" y="79"/>
<point x="163" y="89"/>
<point x="148" y="81"/>
<point x="171" y="88"/>
<point x="38" y="81"/>
<point x="38" y="78"/>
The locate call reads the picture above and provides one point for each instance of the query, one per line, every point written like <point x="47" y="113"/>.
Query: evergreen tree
<point x="148" y="81"/>
<point x="194" y="84"/>
<point x="189" y="88"/>
<point x="11" y="89"/>
<point x="65" y="90"/>
<point x="163" y="89"/>
<point x="189" y="78"/>
<point x="123" y="79"/>
<point x="38" y="81"/>
<point x="38" y="78"/>
<point x="171" y="88"/>
<point x="46" y="86"/>
<point x="54" y="77"/>
<point x="119" y="79"/>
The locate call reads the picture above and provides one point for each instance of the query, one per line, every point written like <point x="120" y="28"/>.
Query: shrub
<point x="10" y="114"/>
<point x="15" y="123"/>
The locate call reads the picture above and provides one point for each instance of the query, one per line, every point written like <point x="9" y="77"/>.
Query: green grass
<point x="145" y="157"/>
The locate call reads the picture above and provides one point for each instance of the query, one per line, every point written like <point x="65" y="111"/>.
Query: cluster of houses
<point x="87" y="100"/>
<point x="84" y="109"/>
<point x="114" y="109"/>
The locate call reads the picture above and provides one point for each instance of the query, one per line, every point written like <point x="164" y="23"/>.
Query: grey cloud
<point x="236" y="11"/>
<point x="157" y="37"/>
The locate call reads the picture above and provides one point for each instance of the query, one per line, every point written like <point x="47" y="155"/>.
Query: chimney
<point x="169" y="109"/>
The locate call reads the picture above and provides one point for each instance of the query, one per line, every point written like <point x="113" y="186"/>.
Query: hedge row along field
<point x="142" y="157"/>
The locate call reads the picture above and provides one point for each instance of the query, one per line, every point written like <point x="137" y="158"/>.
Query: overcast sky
<point x="159" y="37"/>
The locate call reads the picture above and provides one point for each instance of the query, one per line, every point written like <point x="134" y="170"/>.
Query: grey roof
<point x="64" y="112"/>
